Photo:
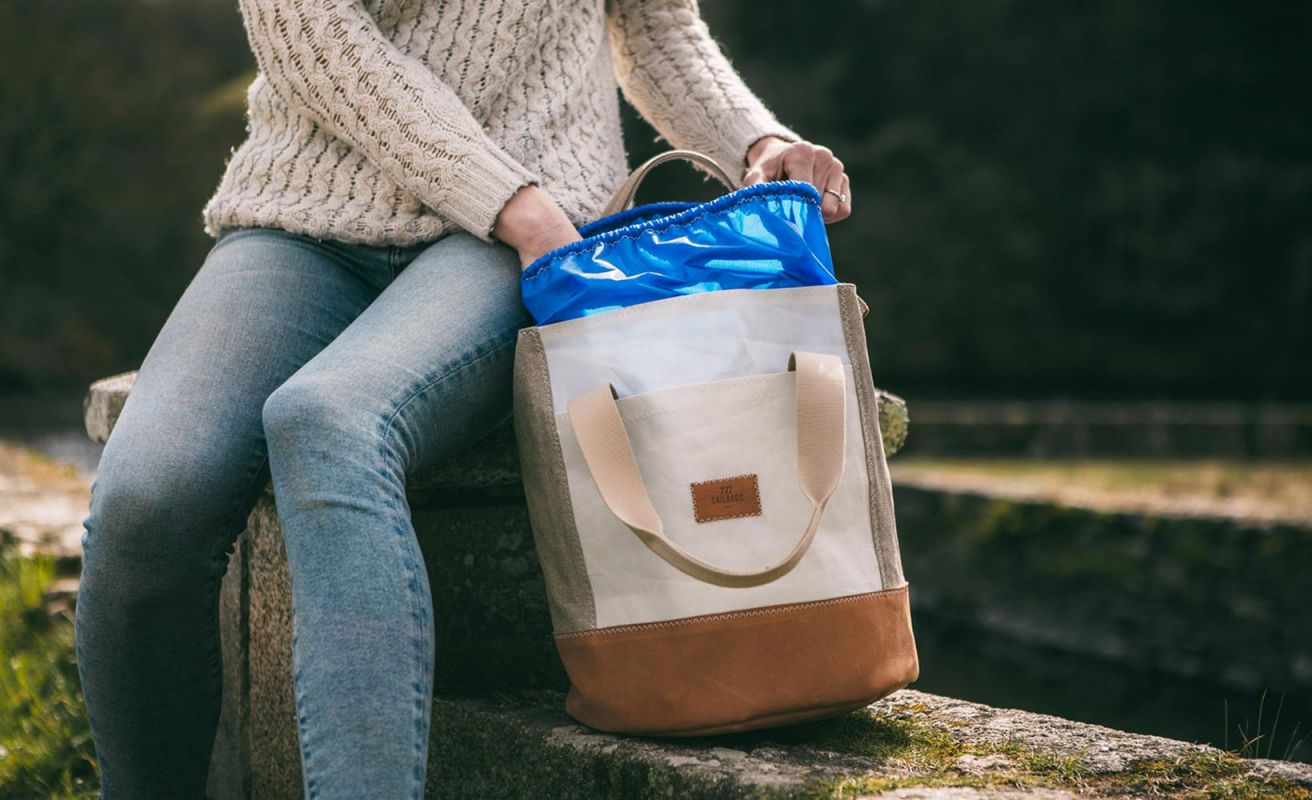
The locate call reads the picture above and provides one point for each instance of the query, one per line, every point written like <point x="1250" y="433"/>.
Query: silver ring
<point x="842" y="198"/>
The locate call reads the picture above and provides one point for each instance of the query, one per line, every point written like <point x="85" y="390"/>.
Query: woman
<point x="355" y="322"/>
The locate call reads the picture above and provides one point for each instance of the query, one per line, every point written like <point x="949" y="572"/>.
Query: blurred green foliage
<point x="45" y="741"/>
<point x="1098" y="199"/>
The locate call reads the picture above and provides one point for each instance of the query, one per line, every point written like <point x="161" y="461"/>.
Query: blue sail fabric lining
<point x="765" y="236"/>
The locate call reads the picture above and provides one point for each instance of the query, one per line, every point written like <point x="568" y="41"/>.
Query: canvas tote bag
<point x="710" y="502"/>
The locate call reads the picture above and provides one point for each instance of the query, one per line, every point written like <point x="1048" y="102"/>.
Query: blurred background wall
<point x="1051" y="199"/>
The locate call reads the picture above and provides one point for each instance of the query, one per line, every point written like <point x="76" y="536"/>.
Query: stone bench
<point x="1196" y="596"/>
<point x="493" y="628"/>
<point x="493" y="632"/>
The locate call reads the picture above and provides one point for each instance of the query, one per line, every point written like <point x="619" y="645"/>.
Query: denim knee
<point x="321" y="432"/>
<point x="145" y="542"/>
<point x="306" y="413"/>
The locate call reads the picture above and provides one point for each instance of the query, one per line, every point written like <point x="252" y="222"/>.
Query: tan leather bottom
<point x="757" y="668"/>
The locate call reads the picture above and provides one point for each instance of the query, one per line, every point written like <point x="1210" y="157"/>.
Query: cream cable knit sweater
<point x="397" y="121"/>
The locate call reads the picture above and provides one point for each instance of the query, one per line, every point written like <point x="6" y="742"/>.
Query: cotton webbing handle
<point x="623" y="197"/>
<point x="821" y="441"/>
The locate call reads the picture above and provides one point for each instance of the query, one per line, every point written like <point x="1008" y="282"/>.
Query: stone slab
<point x="910" y="745"/>
<point x="104" y="402"/>
<point x="1197" y="596"/>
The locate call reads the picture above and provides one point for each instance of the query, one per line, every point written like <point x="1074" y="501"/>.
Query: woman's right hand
<point x="533" y="224"/>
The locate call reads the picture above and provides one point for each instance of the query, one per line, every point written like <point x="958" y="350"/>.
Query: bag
<point x="766" y="236"/>
<point x="710" y="502"/>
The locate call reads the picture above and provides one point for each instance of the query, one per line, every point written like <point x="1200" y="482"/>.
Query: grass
<point x="1204" y="776"/>
<point x="1252" y="740"/>
<point x="45" y="740"/>
<point x="913" y="753"/>
<point x="35" y="465"/>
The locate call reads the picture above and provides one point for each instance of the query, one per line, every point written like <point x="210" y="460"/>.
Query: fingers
<point x="809" y="163"/>
<point x="757" y="174"/>
<point x="845" y="207"/>
<point x="799" y="162"/>
<point x="766" y="169"/>
<point x="831" y="180"/>
<point x="826" y="169"/>
<point x="830" y="188"/>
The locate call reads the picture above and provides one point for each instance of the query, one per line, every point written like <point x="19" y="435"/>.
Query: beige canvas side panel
<point x="543" y="468"/>
<point x="882" y="520"/>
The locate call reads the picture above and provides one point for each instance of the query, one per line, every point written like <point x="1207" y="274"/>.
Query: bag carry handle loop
<point x="821" y="444"/>
<point x="623" y="197"/>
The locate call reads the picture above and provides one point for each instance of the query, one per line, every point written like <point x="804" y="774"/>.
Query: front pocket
<point x="715" y="432"/>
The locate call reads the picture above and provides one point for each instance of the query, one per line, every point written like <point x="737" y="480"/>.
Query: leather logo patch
<point x="726" y="498"/>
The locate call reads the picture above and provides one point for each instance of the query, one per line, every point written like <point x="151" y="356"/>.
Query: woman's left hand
<point x="772" y="159"/>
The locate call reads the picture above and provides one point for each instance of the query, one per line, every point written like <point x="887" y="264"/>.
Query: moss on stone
<point x="1205" y="776"/>
<point x="914" y="754"/>
<point x="913" y="744"/>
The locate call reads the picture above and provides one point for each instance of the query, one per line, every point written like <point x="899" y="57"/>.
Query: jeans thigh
<point x="427" y="366"/>
<point x="189" y="440"/>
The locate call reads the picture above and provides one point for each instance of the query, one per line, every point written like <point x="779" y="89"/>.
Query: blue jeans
<point x="336" y="370"/>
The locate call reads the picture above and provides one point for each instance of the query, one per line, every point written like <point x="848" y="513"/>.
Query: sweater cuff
<point x="482" y="182"/>
<point x="743" y="129"/>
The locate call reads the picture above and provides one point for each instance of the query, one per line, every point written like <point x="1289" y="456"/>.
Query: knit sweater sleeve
<point x="329" y="61"/>
<point x="676" y="76"/>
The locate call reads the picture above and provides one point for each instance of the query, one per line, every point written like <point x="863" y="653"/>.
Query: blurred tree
<point x="1103" y="198"/>
<point x="109" y="144"/>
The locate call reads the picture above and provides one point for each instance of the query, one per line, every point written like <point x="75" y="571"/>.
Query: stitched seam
<point x="422" y="640"/>
<point x="747" y="612"/>
<point x="710" y="401"/>
<point x="756" y="513"/>
<point x="560" y="490"/>
<point x="767" y="393"/>
<point x="887" y="555"/>
<point x="213" y="623"/>
<point x="769" y="718"/>
<point x="612" y="316"/>
<point x="228" y="538"/>
<point x="393" y="262"/>
<point x="424" y="632"/>
<point x="406" y="543"/>
<point x="646" y="211"/>
<point x="864" y="398"/>
<point x="387" y="427"/>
